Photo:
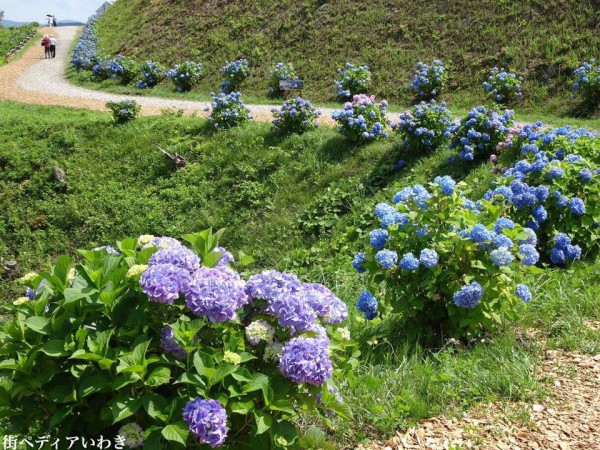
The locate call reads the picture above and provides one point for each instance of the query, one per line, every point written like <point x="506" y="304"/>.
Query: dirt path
<point x="568" y="419"/>
<point x="33" y="79"/>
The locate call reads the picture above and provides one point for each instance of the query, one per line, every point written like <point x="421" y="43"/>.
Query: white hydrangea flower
<point x="133" y="435"/>
<point x="344" y="333"/>
<point x="273" y="351"/>
<point x="145" y="241"/>
<point x="258" y="331"/>
<point x="28" y="277"/>
<point x="21" y="301"/>
<point x="136" y="271"/>
<point x="231" y="358"/>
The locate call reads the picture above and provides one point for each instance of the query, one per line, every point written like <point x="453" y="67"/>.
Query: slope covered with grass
<point x="542" y="40"/>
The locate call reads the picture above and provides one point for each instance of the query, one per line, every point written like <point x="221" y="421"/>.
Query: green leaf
<point x="159" y="376"/>
<point x="257" y="383"/>
<point x="282" y="405"/>
<point x="55" y="347"/>
<point x="212" y="259"/>
<point x="222" y="372"/>
<point x="285" y="433"/>
<point x="93" y="383"/>
<point x="125" y="406"/>
<point x="73" y="295"/>
<point x="61" y="414"/>
<point x="177" y="432"/>
<point x="38" y="324"/>
<point x="156" y="406"/>
<point x="242" y="407"/>
<point x="263" y="421"/>
<point x="82" y="354"/>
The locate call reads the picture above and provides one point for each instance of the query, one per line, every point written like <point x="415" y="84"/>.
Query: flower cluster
<point x="563" y="251"/>
<point x="295" y="116"/>
<point x="133" y="435"/>
<point x="228" y="110"/>
<point x="306" y="360"/>
<point x="445" y="261"/>
<point x="125" y="110"/>
<point x="362" y="119"/>
<point x="235" y="72"/>
<point x="353" y="80"/>
<point x="480" y="132"/>
<point x="429" y="80"/>
<point x="168" y="344"/>
<point x="281" y="72"/>
<point x="207" y="420"/>
<point x="426" y="126"/>
<point x="150" y="74"/>
<point x="587" y="84"/>
<point x="186" y="75"/>
<point x="85" y="55"/>
<point x="503" y="86"/>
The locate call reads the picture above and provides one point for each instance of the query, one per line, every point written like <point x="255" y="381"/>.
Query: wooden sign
<point x="291" y="85"/>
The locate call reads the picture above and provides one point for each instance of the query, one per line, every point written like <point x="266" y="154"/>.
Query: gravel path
<point x="33" y="79"/>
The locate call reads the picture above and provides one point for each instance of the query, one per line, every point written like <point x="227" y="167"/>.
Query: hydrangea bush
<point x="426" y="126"/>
<point x="166" y="345"/>
<point x="353" y="81"/>
<point x="150" y="74"/>
<point x="554" y="187"/>
<point x="429" y="80"/>
<point x="186" y="75"/>
<point x="228" y="110"/>
<point x="447" y="264"/>
<point x="124" y="111"/>
<point x="479" y="133"/>
<point x="85" y="55"/>
<point x="295" y="116"/>
<point x="587" y="83"/>
<point x="119" y="68"/>
<point x="503" y="86"/>
<point x="362" y="119"/>
<point x="235" y="72"/>
<point x="281" y="72"/>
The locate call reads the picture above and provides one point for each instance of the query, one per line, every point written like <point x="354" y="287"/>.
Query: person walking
<point x="46" y="44"/>
<point x="52" y="46"/>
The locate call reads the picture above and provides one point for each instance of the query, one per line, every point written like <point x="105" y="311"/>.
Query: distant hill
<point x="61" y="23"/>
<point x="542" y="40"/>
<point x="70" y="23"/>
<point x="12" y="23"/>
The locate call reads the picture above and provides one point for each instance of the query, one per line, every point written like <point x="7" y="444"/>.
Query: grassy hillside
<point x="543" y="40"/>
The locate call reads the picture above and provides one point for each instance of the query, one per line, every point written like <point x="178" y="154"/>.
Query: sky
<point x="36" y="10"/>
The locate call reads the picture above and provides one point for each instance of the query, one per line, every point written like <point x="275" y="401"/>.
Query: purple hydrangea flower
<point x="164" y="283"/>
<point x="325" y="303"/>
<point x="271" y="284"/>
<point x="293" y="311"/>
<point x="169" y="345"/>
<point x="179" y="256"/>
<point x="226" y="256"/>
<point x="468" y="296"/>
<point x="306" y="360"/>
<point x="207" y="420"/>
<point x="216" y="293"/>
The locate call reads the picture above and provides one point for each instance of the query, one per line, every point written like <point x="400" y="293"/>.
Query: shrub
<point x="587" y="84"/>
<point x="448" y="265"/>
<point x="426" y="126"/>
<point x="362" y="119"/>
<point x="124" y="111"/>
<point x="354" y="80"/>
<point x="281" y="72"/>
<point x="429" y="81"/>
<point x="502" y="86"/>
<point x="169" y="345"/>
<point x="186" y="75"/>
<point x="119" y="68"/>
<point x="555" y="192"/>
<point x="151" y="74"/>
<point x="228" y="110"/>
<point x="295" y="116"/>
<point x="479" y="133"/>
<point x="84" y="55"/>
<point x="235" y="72"/>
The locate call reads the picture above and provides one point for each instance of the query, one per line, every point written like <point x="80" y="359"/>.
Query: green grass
<point x="12" y="36"/>
<point x="301" y="203"/>
<point x="390" y="36"/>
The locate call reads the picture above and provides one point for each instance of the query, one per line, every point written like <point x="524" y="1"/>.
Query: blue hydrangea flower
<point x="386" y="258"/>
<point x="539" y="213"/>
<point x="480" y="234"/>
<point x="409" y="262"/>
<point x="530" y="255"/>
<point x="577" y="206"/>
<point x="501" y="257"/>
<point x="573" y="252"/>
<point x="447" y="184"/>
<point x="207" y="420"/>
<point x="523" y="293"/>
<point x="165" y="282"/>
<point x="468" y="296"/>
<point x="367" y="304"/>
<point x="557" y="256"/>
<point x="378" y="238"/>
<point x="429" y="258"/>
<point x="306" y="360"/>
<point x="532" y="239"/>
<point x="357" y="262"/>
<point x="169" y="345"/>
<point x="501" y="240"/>
<point x="586" y="174"/>
<point x="562" y="241"/>
<point x="502" y="223"/>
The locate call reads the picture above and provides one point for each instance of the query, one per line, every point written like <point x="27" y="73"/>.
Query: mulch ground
<point x="568" y="418"/>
